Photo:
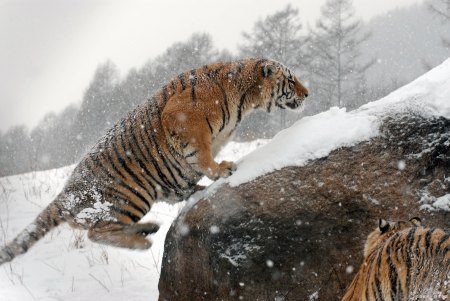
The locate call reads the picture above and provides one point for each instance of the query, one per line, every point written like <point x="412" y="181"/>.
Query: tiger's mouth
<point x="296" y="105"/>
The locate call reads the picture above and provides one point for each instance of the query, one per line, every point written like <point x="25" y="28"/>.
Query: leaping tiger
<point x="403" y="261"/>
<point x="160" y="150"/>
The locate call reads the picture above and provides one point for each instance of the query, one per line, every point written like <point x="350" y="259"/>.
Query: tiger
<point x="160" y="150"/>
<point x="403" y="261"/>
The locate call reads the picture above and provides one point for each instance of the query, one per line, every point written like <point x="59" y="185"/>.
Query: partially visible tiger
<point x="403" y="261"/>
<point x="160" y="150"/>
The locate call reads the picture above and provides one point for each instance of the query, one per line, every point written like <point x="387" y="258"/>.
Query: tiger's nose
<point x="305" y="92"/>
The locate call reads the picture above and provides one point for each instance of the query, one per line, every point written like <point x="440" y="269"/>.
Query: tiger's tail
<point x="48" y="219"/>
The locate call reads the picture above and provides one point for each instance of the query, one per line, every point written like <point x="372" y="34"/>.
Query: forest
<point x="345" y="62"/>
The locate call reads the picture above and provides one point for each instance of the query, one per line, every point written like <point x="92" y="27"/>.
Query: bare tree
<point x="14" y="154"/>
<point x="97" y="102"/>
<point x="278" y="36"/>
<point x="442" y="9"/>
<point x="338" y="73"/>
<point x="52" y="140"/>
<point x="198" y="50"/>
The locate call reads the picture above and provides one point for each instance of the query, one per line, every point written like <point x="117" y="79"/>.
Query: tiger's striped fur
<point x="160" y="150"/>
<point x="403" y="261"/>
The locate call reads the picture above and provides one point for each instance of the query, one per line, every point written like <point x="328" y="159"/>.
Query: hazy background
<point x="71" y="69"/>
<point x="50" y="48"/>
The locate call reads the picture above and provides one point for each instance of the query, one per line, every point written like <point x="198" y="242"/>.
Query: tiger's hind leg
<point x="122" y="236"/>
<point x="143" y="229"/>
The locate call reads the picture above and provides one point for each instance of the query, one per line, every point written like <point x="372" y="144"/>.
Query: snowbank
<point x="310" y="138"/>
<point x="428" y="94"/>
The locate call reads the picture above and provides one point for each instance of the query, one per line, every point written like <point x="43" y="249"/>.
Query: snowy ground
<point x="66" y="266"/>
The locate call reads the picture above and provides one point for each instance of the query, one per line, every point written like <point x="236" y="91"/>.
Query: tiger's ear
<point x="416" y="221"/>
<point x="268" y="70"/>
<point x="383" y="225"/>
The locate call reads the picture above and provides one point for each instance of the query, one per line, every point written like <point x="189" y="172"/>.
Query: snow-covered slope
<point x="65" y="265"/>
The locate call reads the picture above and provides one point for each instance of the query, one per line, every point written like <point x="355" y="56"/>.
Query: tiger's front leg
<point x="195" y="140"/>
<point x="201" y="144"/>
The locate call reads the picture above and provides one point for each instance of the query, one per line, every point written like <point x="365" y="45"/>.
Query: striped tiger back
<point x="403" y="261"/>
<point x="161" y="149"/>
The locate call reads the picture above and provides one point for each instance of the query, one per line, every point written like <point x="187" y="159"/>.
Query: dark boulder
<point x="298" y="233"/>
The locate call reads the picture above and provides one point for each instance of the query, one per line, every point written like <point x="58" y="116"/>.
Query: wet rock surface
<point x="298" y="233"/>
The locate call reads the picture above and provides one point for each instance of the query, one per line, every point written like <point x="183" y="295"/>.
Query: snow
<point x="310" y="138"/>
<point x="432" y="203"/>
<point x="99" y="212"/>
<point x="442" y="202"/>
<point x="428" y="94"/>
<point x="65" y="265"/>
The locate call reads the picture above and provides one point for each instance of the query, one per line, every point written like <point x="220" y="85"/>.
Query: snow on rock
<point x="432" y="203"/>
<point x="442" y="202"/>
<point x="429" y="93"/>
<point x="310" y="138"/>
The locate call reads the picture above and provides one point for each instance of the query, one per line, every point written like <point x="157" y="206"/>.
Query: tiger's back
<point x="160" y="150"/>
<point x="403" y="261"/>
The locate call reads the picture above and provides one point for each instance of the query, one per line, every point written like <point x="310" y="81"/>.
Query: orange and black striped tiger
<point x="160" y="150"/>
<point x="403" y="261"/>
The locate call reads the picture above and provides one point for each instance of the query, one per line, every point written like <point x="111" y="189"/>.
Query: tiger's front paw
<point x="226" y="168"/>
<point x="222" y="170"/>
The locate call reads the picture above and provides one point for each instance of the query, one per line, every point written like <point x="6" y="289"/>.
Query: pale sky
<point x="50" y="48"/>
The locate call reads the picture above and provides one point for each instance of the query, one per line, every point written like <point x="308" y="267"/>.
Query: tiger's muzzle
<point x="296" y="104"/>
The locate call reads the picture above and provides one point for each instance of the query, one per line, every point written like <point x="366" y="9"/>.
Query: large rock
<point x="298" y="233"/>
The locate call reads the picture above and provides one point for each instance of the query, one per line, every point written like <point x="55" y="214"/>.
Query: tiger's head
<point x="385" y="230"/>
<point x="284" y="90"/>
